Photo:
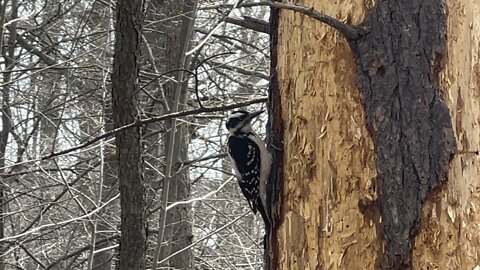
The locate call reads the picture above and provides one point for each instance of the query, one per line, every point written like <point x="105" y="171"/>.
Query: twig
<point x="61" y="223"/>
<point x="31" y="255"/>
<point x="80" y="251"/>
<point x="349" y="31"/>
<point x="140" y="123"/>
<point x="154" y="120"/>
<point x="205" y="237"/>
<point x="189" y="162"/>
<point x="161" y="91"/>
<point x="211" y="32"/>
<point x="238" y="69"/>
<point x="196" y="199"/>
<point x="195" y="74"/>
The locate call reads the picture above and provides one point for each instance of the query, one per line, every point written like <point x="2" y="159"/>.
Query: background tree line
<point x="63" y="212"/>
<point x="374" y="119"/>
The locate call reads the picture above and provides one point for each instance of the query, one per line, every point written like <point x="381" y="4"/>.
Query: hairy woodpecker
<point x="250" y="159"/>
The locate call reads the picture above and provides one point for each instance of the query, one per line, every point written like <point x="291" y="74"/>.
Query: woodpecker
<point x="250" y="159"/>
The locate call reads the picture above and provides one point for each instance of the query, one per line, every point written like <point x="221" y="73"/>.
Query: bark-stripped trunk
<point x="128" y="142"/>
<point x="449" y="231"/>
<point x="369" y="129"/>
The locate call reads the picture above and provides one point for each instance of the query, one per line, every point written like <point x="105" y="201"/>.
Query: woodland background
<point x="374" y="72"/>
<point x="59" y="205"/>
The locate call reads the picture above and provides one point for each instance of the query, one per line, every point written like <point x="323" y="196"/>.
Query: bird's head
<point x="239" y="122"/>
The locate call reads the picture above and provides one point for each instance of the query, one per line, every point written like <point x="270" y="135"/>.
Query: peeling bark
<point x="363" y="179"/>
<point x="328" y="156"/>
<point x="449" y="231"/>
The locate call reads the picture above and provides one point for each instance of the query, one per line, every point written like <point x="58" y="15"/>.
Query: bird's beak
<point x="254" y="114"/>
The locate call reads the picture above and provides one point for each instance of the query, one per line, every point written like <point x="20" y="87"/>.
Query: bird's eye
<point x="233" y="122"/>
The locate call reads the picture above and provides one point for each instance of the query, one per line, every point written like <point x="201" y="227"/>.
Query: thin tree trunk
<point x="129" y="147"/>
<point x="369" y="127"/>
<point x="182" y="235"/>
<point x="9" y="57"/>
<point x="177" y="232"/>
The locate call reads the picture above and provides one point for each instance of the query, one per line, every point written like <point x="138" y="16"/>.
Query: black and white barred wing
<point x="245" y="156"/>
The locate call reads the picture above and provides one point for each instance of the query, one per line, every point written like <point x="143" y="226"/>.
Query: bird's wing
<point x="246" y="155"/>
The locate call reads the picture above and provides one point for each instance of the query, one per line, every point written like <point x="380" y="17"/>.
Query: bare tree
<point x="61" y="206"/>
<point x="369" y="107"/>
<point x="128" y="143"/>
<point x="9" y="56"/>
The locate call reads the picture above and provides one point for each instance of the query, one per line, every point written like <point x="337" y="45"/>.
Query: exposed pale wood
<point x="328" y="156"/>
<point x="450" y="231"/>
<point x="329" y="216"/>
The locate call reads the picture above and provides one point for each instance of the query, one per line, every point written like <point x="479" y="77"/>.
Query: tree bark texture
<point x="449" y="230"/>
<point x="379" y="163"/>
<point x="128" y="142"/>
<point x="398" y="64"/>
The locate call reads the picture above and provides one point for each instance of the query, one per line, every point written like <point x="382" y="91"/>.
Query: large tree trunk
<point x="449" y="231"/>
<point x="367" y="179"/>
<point x="128" y="142"/>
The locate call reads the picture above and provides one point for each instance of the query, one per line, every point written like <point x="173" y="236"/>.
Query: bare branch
<point x="205" y="237"/>
<point x="240" y="70"/>
<point x="250" y="23"/>
<point x="149" y="121"/>
<point x="80" y="251"/>
<point x="31" y="255"/>
<point x="349" y="31"/>
<point x="29" y="47"/>
<point x="59" y="224"/>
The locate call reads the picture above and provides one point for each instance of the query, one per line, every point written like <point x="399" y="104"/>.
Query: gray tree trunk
<point x="178" y="34"/>
<point x="128" y="142"/>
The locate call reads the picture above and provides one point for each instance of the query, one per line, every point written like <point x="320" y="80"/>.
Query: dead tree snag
<point x="398" y="54"/>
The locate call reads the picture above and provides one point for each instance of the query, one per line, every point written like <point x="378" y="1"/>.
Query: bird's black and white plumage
<point x="251" y="160"/>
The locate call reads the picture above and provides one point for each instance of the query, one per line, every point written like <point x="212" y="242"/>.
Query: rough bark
<point x="275" y="137"/>
<point x="449" y="237"/>
<point x="398" y="64"/>
<point x="128" y="142"/>
<point x="359" y="163"/>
